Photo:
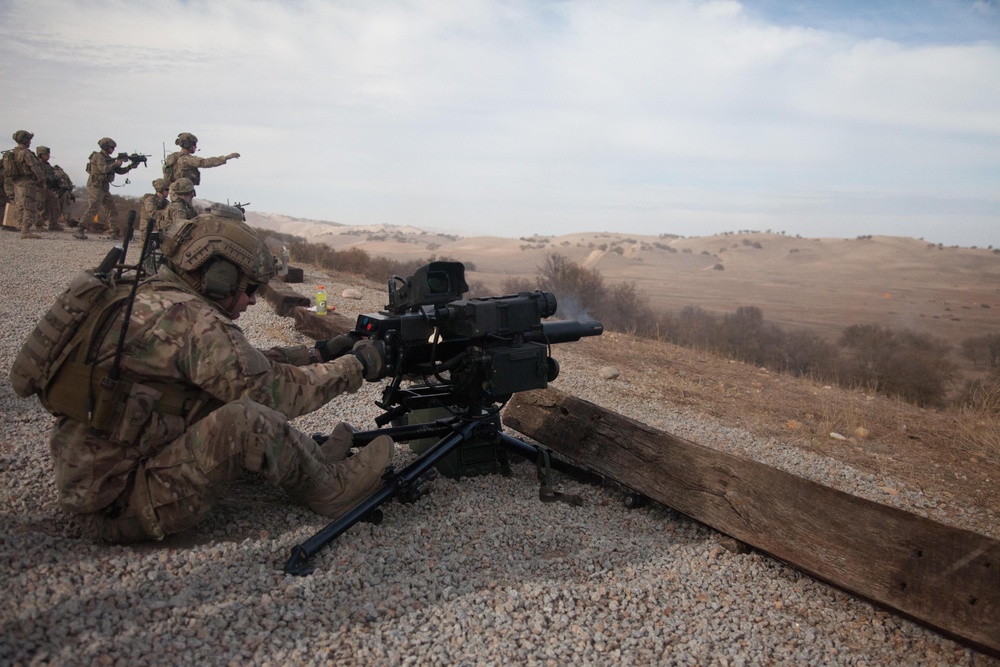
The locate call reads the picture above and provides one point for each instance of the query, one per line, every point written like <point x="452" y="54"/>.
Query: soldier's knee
<point x="248" y="426"/>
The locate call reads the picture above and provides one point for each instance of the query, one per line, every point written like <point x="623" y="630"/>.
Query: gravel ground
<point x="476" y="572"/>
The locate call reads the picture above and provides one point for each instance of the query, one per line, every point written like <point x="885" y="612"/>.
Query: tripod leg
<point x="298" y="561"/>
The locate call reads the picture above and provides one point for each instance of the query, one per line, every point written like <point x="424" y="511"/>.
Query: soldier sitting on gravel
<point x="153" y="205"/>
<point x="199" y="406"/>
<point x="180" y="207"/>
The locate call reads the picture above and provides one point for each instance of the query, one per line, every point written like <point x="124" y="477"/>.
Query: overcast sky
<point x="518" y="117"/>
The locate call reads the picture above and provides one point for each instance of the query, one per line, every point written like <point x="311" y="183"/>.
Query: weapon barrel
<point x="566" y="331"/>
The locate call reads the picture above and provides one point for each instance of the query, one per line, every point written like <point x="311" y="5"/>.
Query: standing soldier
<point x="50" y="200"/>
<point x="102" y="169"/>
<point x="180" y="208"/>
<point x="10" y="214"/>
<point x="5" y="199"/>
<point x="185" y="164"/>
<point x="65" y="194"/>
<point x="22" y="166"/>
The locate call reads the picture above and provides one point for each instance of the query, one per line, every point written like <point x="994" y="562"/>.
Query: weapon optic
<point x="465" y="356"/>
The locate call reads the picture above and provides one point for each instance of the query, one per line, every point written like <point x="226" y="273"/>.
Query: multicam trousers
<point x="100" y="198"/>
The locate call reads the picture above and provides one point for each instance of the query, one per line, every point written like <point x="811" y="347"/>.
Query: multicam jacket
<point x="65" y="182"/>
<point x="178" y="209"/>
<point x="155" y="208"/>
<point x="180" y="339"/>
<point x="102" y="170"/>
<point x="186" y="165"/>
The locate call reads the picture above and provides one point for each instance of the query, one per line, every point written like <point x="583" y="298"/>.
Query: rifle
<point x="135" y="158"/>
<point x="463" y="356"/>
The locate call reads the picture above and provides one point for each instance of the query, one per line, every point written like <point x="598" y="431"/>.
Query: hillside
<point x="819" y="284"/>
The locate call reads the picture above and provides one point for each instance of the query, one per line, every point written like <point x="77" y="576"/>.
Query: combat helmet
<point x="217" y="254"/>
<point x="23" y="137"/>
<point x="160" y="184"/>
<point x="42" y="150"/>
<point x="182" y="186"/>
<point x="186" y="140"/>
<point x="107" y="143"/>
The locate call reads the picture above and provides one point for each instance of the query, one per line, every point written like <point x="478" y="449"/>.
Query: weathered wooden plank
<point x="946" y="577"/>
<point x="320" y="327"/>
<point x="283" y="298"/>
<point x="289" y="303"/>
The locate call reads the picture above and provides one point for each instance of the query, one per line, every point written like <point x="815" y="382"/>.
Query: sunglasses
<point x="252" y="289"/>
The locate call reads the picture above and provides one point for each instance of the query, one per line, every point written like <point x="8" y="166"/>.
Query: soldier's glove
<point x="336" y="347"/>
<point x="232" y="156"/>
<point x="371" y="354"/>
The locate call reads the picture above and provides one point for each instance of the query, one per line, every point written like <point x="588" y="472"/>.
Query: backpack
<point x="11" y="166"/>
<point x="90" y="161"/>
<point x="52" y="363"/>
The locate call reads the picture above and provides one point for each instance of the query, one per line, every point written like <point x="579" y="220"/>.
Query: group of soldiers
<point x="37" y="195"/>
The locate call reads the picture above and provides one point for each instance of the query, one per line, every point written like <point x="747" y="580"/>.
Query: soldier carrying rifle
<point x="102" y="168"/>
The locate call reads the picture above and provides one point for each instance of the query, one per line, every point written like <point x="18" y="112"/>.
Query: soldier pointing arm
<point x="185" y="164"/>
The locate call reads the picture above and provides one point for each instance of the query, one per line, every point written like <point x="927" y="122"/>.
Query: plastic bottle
<point x="321" y="300"/>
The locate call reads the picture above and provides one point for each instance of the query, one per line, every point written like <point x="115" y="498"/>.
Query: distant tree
<point x="579" y="291"/>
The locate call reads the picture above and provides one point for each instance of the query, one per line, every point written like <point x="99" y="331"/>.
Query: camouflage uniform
<point x="65" y="194"/>
<point x="23" y="167"/>
<point x="184" y="164"/>
<point x="6" y="198"/>
<point x="180" y="207"/>
<point x="51" y="210"/>
<point x="102" y="169"/>
<point x="153" y="205"/>
<point x="155" y="473"/>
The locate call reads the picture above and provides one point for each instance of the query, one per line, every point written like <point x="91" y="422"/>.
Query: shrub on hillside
<point x="901" y="363"/>
<point x="983" y="350"/>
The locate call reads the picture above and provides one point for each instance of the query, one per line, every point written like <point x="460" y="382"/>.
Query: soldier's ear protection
<point x="220" y="279"/>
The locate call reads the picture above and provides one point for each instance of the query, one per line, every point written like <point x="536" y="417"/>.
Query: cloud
<point x="519" y="115"/>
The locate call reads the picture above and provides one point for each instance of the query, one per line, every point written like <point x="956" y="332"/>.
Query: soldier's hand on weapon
<point x="337" y="346"/>
<point x="232" y="156"/>
<point x="371" y="354"/>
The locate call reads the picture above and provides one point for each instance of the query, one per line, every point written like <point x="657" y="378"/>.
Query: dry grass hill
<point x="819" y="284"/>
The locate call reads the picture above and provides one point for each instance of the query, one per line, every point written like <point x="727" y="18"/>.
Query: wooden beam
<point x="945" y="577"/>
<point x="289" y="303"/>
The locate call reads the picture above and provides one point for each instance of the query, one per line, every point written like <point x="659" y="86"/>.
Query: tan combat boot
<point x="335" y="488"/>
<point x="27" y="234"/>
<point x="338" y="444"/>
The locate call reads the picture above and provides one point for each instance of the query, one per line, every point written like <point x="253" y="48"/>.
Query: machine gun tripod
<point x="469" y="357"/>
<point x="407" y="485"/>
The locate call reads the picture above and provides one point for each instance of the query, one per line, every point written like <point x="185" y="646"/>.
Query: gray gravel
<point x="476" y="572"/>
